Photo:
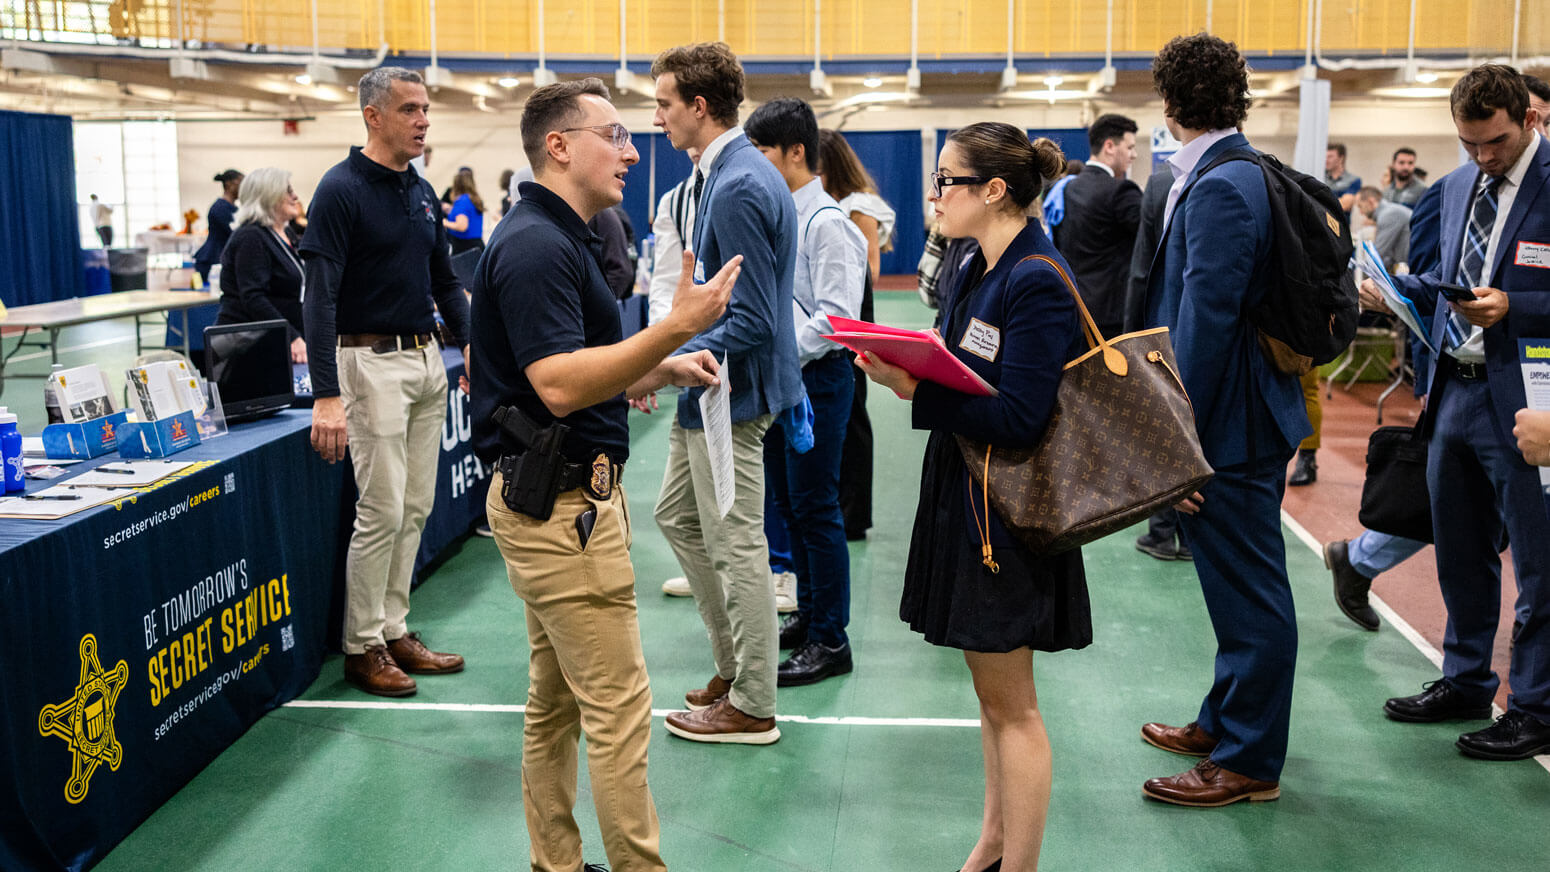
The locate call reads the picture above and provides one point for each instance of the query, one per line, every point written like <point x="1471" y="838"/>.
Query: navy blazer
<point x="746" y="208"/>
<point x="1212" y="267"/>
<point x="1527" y="287"/>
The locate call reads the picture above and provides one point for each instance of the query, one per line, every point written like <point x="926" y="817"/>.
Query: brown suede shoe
<point x="723" y="722"/>
<point x="1191" y="741"/>
<point x="703" y="698"/>
<point x="412" y="656"/>
<point x="1208" y="786"/>
<point x="375" y="672"/>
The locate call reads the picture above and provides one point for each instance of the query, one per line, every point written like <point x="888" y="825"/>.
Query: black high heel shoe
<point x="993" y="867"/>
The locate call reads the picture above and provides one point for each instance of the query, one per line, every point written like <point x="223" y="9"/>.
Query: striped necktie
<point x="1472" y="261"/>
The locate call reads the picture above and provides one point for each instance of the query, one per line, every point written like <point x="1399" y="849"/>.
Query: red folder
<point x="920" y="353"/>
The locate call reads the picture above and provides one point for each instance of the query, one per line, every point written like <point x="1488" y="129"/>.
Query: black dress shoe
<point x="1162" y="549"/>
<point x="1306" y="471"/>
<point x="1516" y="735"/>
<point x="1438" y="701"/>
<point x="812" y="663"/>
<point x="993" y="867"/>
<point x="793" y="631"/>
<point x="1351" y="587"/>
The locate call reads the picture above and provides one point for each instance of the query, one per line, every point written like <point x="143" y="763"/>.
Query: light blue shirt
<point x="1184" y="161"/>
<point x="831" y="269"/>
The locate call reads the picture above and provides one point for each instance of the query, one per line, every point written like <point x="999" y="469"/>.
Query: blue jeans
<point x="1373" y="553"/>
<point x="774" y="525"/>
<point x="807" y="492"/>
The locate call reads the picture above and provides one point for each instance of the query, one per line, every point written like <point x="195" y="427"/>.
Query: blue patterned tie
<point x="1472" y="262"/>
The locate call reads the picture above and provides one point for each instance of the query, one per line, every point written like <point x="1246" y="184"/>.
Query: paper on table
<point x="141" y="473"/>
<point x="1534" y="361"/>
<point x="48" y="510"/>
<point x="716" y="412"/>
<point x="1370" y="262"/>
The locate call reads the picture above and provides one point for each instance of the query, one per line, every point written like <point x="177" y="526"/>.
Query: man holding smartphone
<point x="547" y="353"/>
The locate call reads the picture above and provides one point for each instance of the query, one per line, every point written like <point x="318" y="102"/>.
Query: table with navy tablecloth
<point x="141" y="638"/>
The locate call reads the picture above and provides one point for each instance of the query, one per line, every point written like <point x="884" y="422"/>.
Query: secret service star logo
<point x="85" y="721"/>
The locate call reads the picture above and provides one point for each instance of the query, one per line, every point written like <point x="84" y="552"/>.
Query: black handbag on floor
<point x="1395" y="499"/>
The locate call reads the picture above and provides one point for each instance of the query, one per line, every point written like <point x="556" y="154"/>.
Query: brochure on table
<point x="82" y="393"/>
<point x="136" y="473"/>
<point x="1534" y="361"/>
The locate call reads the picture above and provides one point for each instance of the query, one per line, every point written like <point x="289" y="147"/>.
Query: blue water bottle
<point x="11" y="450"/>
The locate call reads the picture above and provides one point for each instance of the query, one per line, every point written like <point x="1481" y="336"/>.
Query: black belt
<point x="382" y="343"/>
<point x="599" y="477"/>
<point x="1468" y="371"/>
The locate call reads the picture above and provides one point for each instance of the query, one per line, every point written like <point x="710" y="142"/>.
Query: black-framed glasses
<point x="940" y="180"/>
<point x="618" y="134"/>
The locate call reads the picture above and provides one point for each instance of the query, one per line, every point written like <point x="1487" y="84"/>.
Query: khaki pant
<point x="394" y="405"/>
<point x="726" y="560"/>
<point x="586" y="673"/>
<point x="1315" y="404"/>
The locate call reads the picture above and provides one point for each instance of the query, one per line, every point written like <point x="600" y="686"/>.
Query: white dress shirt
<point x="830" y="271"/>
<point x="1183" y="162"/>
<point x="677" y="206"/>
<point x="1094" y="162"/>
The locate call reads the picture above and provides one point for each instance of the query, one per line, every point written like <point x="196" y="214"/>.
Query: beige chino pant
<point x="586" y="673"/>
<point x="394" y="406"/>
<point x="726" y="560"/>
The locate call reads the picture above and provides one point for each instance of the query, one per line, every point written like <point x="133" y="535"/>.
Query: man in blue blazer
<point x="744" y="208"/>
<point x="1495" y="242"/>
<point x="1211" y="268"/>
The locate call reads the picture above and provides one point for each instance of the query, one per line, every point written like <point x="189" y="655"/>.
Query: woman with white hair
<point x="261" y="275"/>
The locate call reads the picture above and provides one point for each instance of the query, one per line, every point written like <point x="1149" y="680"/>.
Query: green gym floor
<point x="877" y="770"/>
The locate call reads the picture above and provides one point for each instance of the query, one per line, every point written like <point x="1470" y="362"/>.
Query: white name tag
<point x="699" y="271"/>
<point x="981" y="340"/>
<point x="1533" y="254"/>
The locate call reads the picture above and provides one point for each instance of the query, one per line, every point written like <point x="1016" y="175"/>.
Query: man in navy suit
<point x="1212" y="266"/>
<point x="1495" y="242"/>
<point x="744" y="208"/>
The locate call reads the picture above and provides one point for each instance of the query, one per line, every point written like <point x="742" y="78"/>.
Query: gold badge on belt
<point x="602" y="483"/>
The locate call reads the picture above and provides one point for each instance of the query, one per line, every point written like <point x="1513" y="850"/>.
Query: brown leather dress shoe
<point x="375" y="672"/>
<point x="723" y="722"/>
<point x="1208" y="786"/>
<point x="705" y="697"/>
<point x="412" y="656"/>
<point x="1191" y="741"/>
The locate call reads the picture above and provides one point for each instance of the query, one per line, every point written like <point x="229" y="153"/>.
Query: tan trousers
<point x="586" y="673"/>
<point x="394" y="405"/>
<point x="726" y="560"/>
<point x="1315" y="404"/>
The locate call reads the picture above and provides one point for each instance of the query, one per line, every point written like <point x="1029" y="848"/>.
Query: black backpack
<point x="1308" y="317"/>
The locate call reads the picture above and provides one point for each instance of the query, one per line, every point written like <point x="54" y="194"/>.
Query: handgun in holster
<point x="532" y="478"/>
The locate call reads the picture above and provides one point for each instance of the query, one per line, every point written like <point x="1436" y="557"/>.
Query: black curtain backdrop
<point x="40" y="238"/>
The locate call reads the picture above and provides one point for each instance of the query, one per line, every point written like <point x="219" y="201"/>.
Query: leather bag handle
<point x="1112" y="358"/>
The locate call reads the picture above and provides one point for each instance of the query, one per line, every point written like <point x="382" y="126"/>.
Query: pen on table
<point x="51" y="497"/>
<point x="114" y="470"/>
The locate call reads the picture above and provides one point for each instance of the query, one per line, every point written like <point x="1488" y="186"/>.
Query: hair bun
<point x="1048" y="160"/>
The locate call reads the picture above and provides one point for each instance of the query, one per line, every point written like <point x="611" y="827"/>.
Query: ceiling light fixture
<point x="1054" y="81"/>
<point x="872" y="82"/>
<point x="1426" y="78"/>
<point x="303" y="79"/>
<point x="508" y="81"/>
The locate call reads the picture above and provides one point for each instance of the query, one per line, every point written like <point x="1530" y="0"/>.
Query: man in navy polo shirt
<point x="376" y="254"/>
<point x="547" y="343"/>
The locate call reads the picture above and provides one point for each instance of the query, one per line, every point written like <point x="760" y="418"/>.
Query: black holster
<point x="531" y="480"/>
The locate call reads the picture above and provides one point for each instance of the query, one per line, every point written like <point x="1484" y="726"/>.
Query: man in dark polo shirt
<point x="376" y="253"/>
<point x="547" y="350"/>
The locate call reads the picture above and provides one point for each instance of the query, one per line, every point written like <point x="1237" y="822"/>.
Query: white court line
<point x="658" y="713"/>
<point x="82" y="347"/>
<point x="1392" y="617"/>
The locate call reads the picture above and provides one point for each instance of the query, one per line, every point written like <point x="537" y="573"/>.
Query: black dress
<point x="1020" y="323"/>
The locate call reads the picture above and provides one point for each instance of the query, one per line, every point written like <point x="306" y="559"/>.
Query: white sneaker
<point x="785" y="592"/>
<point x="677" y="587"/>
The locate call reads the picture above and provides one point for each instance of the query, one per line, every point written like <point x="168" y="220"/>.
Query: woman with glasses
<point x="1013" y="321"/>
<point x="261" y="276"/>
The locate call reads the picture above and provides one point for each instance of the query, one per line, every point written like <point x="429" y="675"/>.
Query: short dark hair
<point x="1403" y="149"/>
<point x="996" y="150"/>
<point x="1107" y="127"/>
<point x="706" y="69"/>
<point x="1485" y="89"/>
<point x="1537" y="86"/>
<point x="1337" y="148"/>
<point x="783" y="123"/>
<point x="554" y="107"/>
<point x="1204" y="81"/>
